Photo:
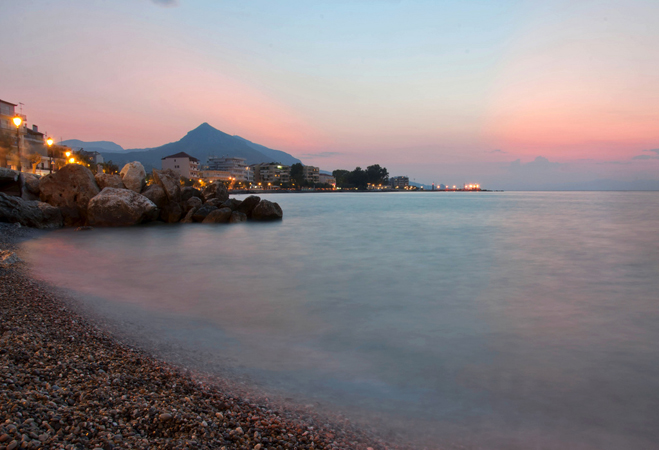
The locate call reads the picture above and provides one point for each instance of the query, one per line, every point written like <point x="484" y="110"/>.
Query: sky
<point x="509" y="94"/>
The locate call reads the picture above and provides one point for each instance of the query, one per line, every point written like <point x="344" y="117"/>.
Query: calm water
<point x="491" y="320"/>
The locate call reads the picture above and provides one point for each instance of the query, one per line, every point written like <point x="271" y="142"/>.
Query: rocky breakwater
<point x="73" y="196"/>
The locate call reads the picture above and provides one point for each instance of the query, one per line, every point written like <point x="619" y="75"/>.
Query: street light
<point x="18" y="121"/>
<point x="49" y="141"/>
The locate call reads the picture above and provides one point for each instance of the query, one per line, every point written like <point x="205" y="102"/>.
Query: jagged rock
<point x="8" y="175"/>
<point x="216" y="190"/>
<point x="120" y="208"/>
<point x="156" y="194"/>
<point x="201" y="213"/>
<point x="189" y="192"/>
<point x="232" y="203"/>
<point x="221" y="215"/>
<point x="133" y="176"/>
<point x="267" y="210"/>
<point x="29" y="213"/>
<point x="31" y="183"/>
<point x="214" y="202"/>
<point x="8" y="258"/>
<point x="248" y="205"/>
<point x="192" y="202"/>
<point x="237" y="217"/>
<point x="108" y="180"/>
<point x="171" y="213"/>
<point x="69" y="189"/>
<point x="170" y="182"/>
<point x="188" y="216"/>
<point x="9" y="181"/>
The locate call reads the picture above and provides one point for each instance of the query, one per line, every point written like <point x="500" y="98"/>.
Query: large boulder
<point x="267" y="210"/>
<point x="29" y="213"/>
<point x="222" y="215"/>
<point x="156" y="194"/>
<point x="237" y="217"/>
<point x="30" y="186"/>
<point x="188" y="217"/>
<point x="192" y="202"/>
<point x="9" y="181"/>
<point x="188" y="192"/>
<point x="69" y="189"/>
<point x="133" y="176"/>
<point x="109" y="180"/>
<point x="232" y="203"/>
<point x="201" y="213"/>
<point x="171" y="213"/>
<point x="248" y="205"/>
<point x="170" y="182"/>
<point x="120" y="208"/>
<point x="214" y="202"/>
<point x="216" y="190"/>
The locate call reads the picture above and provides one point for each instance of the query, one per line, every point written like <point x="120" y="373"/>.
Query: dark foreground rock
<point x="65" y="383"/>
<point x="221" y="215"/>
<point x="69" y="189"/>
<point x="120" y="208"/>
<point x="218" y="191"/>
<point x="29" y="213"/>
<point x="267" y="210"/>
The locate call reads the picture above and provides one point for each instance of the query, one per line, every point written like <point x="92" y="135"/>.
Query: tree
<point x="358" y="178"/>
<point x="35" y="159"/>
<point x="377" y="175"/>
<point x="297" y="175"/>
<point x="340" y="176"/>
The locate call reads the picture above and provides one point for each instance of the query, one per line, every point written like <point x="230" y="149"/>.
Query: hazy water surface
<point x="490" y="320"/>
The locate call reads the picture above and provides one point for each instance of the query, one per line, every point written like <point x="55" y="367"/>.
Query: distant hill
<point x="202" y="142"/>
<point x="94" y="146"/>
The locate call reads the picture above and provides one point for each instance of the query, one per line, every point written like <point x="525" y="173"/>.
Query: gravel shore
<point x="66" y="383"/>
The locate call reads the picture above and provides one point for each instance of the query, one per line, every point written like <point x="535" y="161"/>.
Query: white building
<point x="399" y="182"/>
<point x="325" y="178"/>
<point x="311" y="174"/>
<point x="235" y="168"/>
<point x="185" y="165"/>
<point x="271" y="173"/>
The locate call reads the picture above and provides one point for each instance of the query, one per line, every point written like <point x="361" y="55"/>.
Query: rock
<point x="201" y="213"/>
<point x="85" y="228"/>
<point x="156" y="194"/>
<point x="188" y="216"/>
<point x="237" y="217"/>
<point x="193" y="202"/>
<point x="248" y="205"/>
<point x="170" y="182"/>
<point x="189" y="192"/>
<point x="31" y="183"/>
<point x="8" y="258"/>
<point x="217" y="190"/>
<point x="214" y="202"/>
<point x="69" y="189"/>
<point x="108" y="180"/>
<point x="267" y="210"/>
<point x="9" y="181"/>
<point x="164" y="417"/>
<point x="29" y="213"/>
<point x="232" y="203"/>
<point x="120" y="208"/>
<point x="221" y="215"/>
<point x="133" y="176"/>
<point x="171" y="213"/>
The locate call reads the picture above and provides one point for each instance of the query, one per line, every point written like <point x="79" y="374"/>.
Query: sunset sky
<point x="509" y="94"/>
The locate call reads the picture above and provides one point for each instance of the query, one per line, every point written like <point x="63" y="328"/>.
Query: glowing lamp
<point x="71" y="160"/>
<point x="68" y="154"/>
<point x="17" y="121"/>
<point x="49" y="141"/>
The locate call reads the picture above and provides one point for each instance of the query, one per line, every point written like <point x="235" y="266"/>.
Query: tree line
<point x="360" y="178"/>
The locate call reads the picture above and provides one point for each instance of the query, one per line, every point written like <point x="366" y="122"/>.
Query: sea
<point x="448" y="320"/>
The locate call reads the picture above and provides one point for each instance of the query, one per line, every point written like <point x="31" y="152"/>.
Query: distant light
<point x="68" y="154"/>
<point x="71" y="160"/>
<point x="49" y="141"/>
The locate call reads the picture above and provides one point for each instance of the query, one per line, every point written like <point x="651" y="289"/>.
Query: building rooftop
<point x="182" y="155"/>
<point x="8" y="103"/>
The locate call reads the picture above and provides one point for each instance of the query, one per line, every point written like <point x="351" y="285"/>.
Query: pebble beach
<point x="66" y="382"/>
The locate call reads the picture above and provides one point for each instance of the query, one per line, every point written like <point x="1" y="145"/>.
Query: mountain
<point x="94" y="146"/>
<point x="202" y="142"/>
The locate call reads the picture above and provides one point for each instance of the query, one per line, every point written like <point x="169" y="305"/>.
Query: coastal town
<point x="27" y="149"/>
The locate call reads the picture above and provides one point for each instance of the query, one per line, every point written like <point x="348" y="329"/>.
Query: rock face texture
<point x="120" y="208"/>
<point x="216" y="190"/>
<point x="107" y="180"/>
<point x="29" y="213"/>
<point x="232" y="203"/>
<point x="133" y="176"/>
<point x="221" y="215"/>
<point x="267" y="210"/>
<point x="69" y="189"/>
<point x="189" y="192"/>
<point x="156" y="194"/>
<point x="169" y="181"/>
<point x="248" y="205"/>
<point x="193" y="202"/>
<point x="237" y="217"/>
<point x="171" y="213"/>
<point x="201" y="213"/>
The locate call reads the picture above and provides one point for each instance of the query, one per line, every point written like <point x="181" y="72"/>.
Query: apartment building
<point x="185" y="165"/>
<point x="232" y="168"/>
<point x="271" y="173"/>
<point x="399" y="182"/>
